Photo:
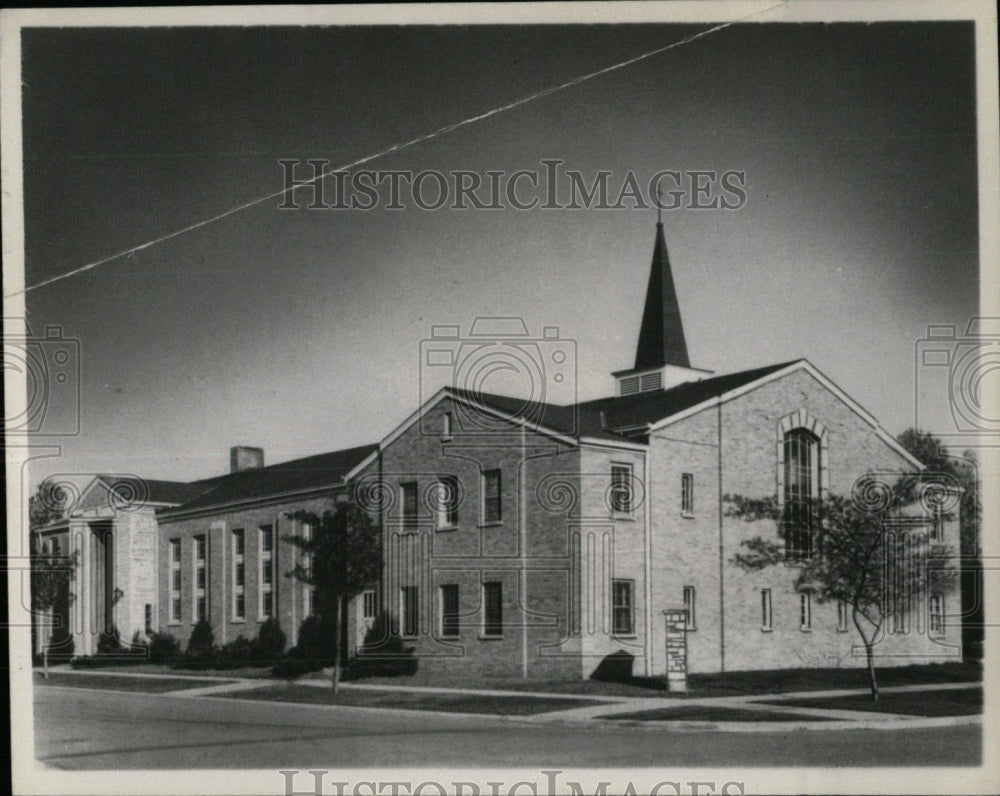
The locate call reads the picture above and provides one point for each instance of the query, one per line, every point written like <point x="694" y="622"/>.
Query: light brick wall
<point x="612" y="547"/>
<point x="686" y="551"/>
<point x="535" y="576"/>
<point x="217" y="528"/>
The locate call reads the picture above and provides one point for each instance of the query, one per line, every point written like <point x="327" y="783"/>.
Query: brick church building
<point x="526" y="539"/>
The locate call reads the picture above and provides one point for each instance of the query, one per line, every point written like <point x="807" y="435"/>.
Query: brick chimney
<point x="243" y="457"/>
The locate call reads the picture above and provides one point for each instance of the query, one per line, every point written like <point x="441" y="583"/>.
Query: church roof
<point x="311" y="472"/>
<point x="152" y="490"/>
<point x="661" y="335"/>
<point x="599" y="418"/>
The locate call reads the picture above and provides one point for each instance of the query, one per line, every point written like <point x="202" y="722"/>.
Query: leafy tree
<point x="860" y="553"/>
<point x="344" y="556"/>
<point x="50" y="573"/>
<point x="965" y="470"/>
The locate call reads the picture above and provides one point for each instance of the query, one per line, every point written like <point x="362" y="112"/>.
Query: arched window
<point x="801" y="492"/>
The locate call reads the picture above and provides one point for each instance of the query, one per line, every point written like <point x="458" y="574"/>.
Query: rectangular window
<point x="842" y="615"/>
<point x="621" y="489"/>
<point x="308" y="591"/>
<point x="149" y="618"/>
<point x="687" y="493"/>
<point x="239" y="604"/>
<point x="265" y="571"/>
<point x="493" y="609"/>
<point x="411" y="611"/>
<point x="765" y="609"/>
<point x="492" y="503"/>
<point x="369" y="606"/>
<point x="200" y="578"/>
<point x="689" y="607"/>
<point x="805" y="611"/>
<point x="446" y="501"/>
<point x="446" y="426"/>
<point x="175" y="580"/>
<point x="449" y="610"/>
<point x="409" y="490"/>
<point x="622" y="608"/>
<point x="935" y="614"/>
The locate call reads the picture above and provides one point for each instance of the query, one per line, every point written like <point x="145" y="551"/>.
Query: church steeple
<point x="661" y="355"/>
<point x="661" y="336"/>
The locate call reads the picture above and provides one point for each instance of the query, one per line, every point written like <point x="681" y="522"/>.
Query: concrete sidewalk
<point x="611" y="706"/>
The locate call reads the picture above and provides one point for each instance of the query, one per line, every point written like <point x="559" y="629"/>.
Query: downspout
<point x="648" y="553"/>
<point x="522" y="543"/>
<point x="722" y="580"/>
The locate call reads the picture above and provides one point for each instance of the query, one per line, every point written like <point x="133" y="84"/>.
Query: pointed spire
<point x="661" y="336"/>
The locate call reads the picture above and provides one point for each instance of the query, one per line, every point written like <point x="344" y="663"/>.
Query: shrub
<point x="163" y="648"/>
<point x="316" y="643"/>
<point x="139" y="642"/>
<point x="201" y="645"/>
<point x="383" y="653"/>
<point x="238" y="652"/>
<point x="270" y="641"/>
<point x="110" y="642"/>
<point x="61" y="645"/>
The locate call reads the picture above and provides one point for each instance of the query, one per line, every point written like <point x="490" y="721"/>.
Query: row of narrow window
<point x="266" y="569"/>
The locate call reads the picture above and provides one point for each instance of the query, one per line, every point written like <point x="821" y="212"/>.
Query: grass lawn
<point x="408" y="700"/>
<point x="710" y="713"/>
<point x="954" y="702"/>
<point x="774" y="681"/>
<point x="261" y="672"/>
<point x="783" y="681"/>
<point x="110" y="682"/>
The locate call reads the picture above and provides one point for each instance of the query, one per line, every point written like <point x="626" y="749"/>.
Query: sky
<point x="300" y="331"/>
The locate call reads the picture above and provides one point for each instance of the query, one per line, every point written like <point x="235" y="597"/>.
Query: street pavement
<point x="81" y="729"/>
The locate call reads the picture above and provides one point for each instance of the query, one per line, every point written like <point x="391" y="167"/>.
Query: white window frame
<point x="766" y="613"/>
<point x="406" y="629"/>
<point x="487" y="520"/>
<point x="199" y="565"/>
<point x="441" y="621"/>
<point x="239" y="560"/>
<point x="265" y="563"/>
<point x="843" y="613"/>
<point x="628" y="494"/>
<point x="176" y="585"/>
<point x="308" y="591"/>
<point x="369" y="604"/>
<point x="486" y="633"/>
<point x="800" y="544"/>
<point x="687" y="494"/>
<point x="616" y="606"/>
<point x="935" y="614"/>
<point x="805" y="611"/>
<point x="411" y="521"/>
<point x="445" y="502"/>
<point x="689" y="606"/>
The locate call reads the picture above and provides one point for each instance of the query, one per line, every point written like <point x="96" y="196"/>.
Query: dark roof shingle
<point x="311" y="472"/>
<point x="600" y="417"/>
